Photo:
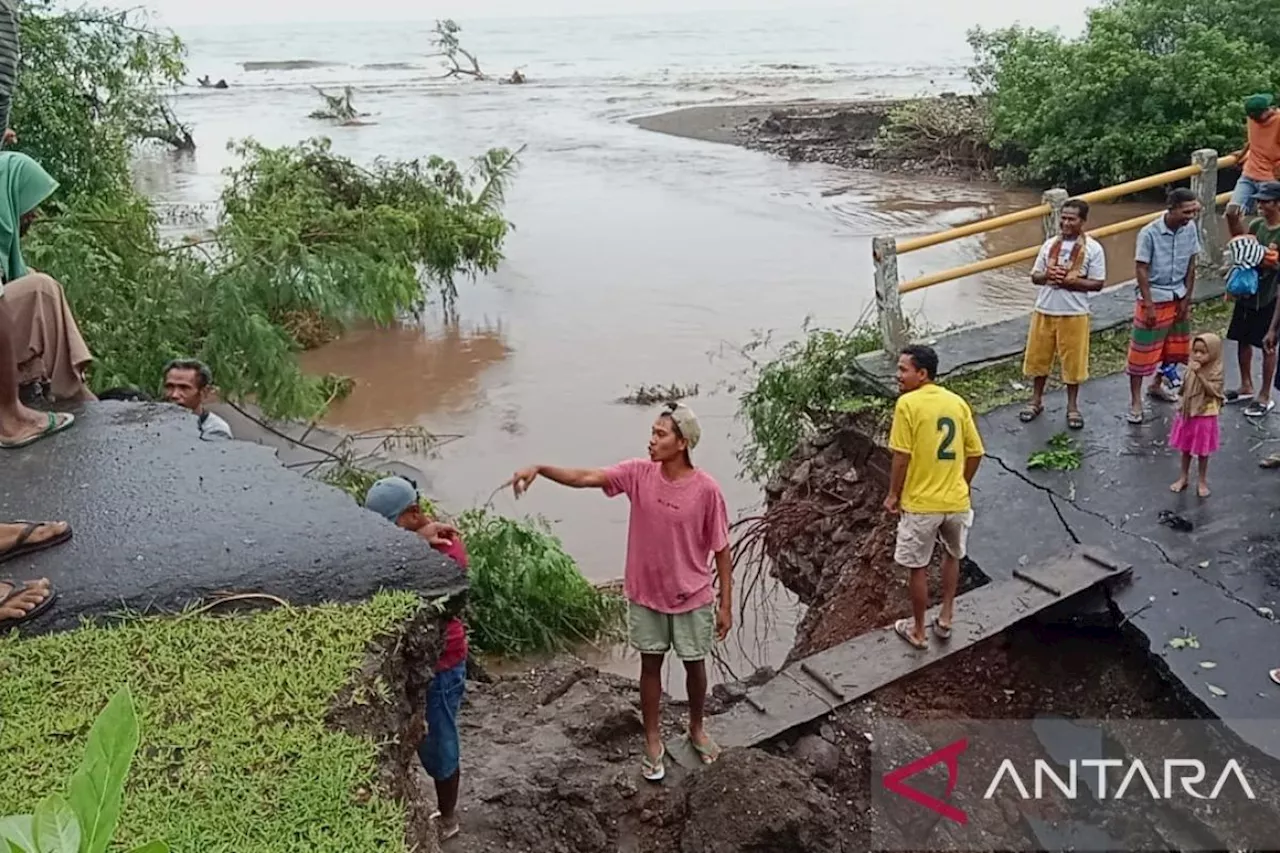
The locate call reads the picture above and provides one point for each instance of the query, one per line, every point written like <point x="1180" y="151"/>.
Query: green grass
<point x="235" y="753"/>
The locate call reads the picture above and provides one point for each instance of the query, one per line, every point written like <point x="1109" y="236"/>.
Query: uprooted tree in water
<point x="338" y="107"/>
<point x="445" y="40"/>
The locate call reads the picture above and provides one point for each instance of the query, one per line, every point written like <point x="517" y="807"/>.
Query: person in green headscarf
<point x="40" y="343"/>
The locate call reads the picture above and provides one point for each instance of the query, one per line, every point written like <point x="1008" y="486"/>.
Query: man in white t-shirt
<point x="1069" y="270"/>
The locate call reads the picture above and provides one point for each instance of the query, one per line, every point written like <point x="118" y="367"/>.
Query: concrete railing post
<point x="1055" y="198"/>
<point x="893" y="325"/>
<point x="1205" y="186"/>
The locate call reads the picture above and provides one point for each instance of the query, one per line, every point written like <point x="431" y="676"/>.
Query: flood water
<point x="637" y="258"/>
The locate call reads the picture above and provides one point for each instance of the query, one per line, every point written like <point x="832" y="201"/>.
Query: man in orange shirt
<point x="1260" y="158"/>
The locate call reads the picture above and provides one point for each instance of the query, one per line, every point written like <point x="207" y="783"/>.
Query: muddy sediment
<point x="832" y="543"/>
<point x="551" y="756"/>
<point x="840" y="133"/>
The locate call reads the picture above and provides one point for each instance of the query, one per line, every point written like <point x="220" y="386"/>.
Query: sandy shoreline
<point x="841" y="133"/>
<point x="731" y="123"/>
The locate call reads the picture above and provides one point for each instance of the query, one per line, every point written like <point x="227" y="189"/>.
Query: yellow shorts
<point x="1066" y="337"/>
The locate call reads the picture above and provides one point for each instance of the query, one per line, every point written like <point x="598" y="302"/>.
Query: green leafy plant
<point x="527" y="595"/>
<point x="92" y="81"/>
<point x="85" y="820"/>
<point x="1062" y="454"/>
<point x="795" y="390"/>
<point x="1147" y="83"/>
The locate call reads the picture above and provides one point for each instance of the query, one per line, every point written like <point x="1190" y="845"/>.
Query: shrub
<point x="1148" y="82"/>
<point x="945" y="132"/>
<point x="795" y="393"/>
<point x="527" y="596"/>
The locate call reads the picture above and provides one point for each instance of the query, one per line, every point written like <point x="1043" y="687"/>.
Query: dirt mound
<point x="831" y="542"/>
<point x="551" y="763"/>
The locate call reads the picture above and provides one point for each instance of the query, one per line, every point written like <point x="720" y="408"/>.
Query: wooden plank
<point x="871" y="661"/>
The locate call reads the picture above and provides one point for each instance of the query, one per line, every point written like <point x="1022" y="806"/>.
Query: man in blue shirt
<point x="1166" y="273"/>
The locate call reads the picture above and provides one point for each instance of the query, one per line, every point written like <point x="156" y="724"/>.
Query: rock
<point x="729" y="692"/>
<point x="625" y="782"/>
<point x="761" y="676"/>
<point x="851" y="476"/>
<point x="820" y="755"/>
<point x="617" y="722"/>
<point x="787" y="812"/>
<point x="801" y="474"/>
<point x="827" y="733"/>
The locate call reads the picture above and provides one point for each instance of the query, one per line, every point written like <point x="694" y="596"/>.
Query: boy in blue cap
<point x="396" y="499"/>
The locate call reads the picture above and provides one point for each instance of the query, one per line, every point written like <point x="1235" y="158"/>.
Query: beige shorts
<point x="917" y="531"/>
<point x="690" y="634"/>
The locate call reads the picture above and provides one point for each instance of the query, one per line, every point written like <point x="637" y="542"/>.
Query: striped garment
<point x="9" y="53"/>
<point x="1245" y="251"/>
<point x="1166" y="342"/>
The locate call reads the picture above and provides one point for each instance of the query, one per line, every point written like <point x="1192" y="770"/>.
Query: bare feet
<point x="1180" y="486"/>
<point x="10" y="532"/>
<point x="23" y="424"/>
<point x="1203" y="490"/>
<point x="16" y="605"/>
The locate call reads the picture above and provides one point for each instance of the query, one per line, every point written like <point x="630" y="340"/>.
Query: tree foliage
<point x="1147" y="83"/>
<point x="92" y="81"/>
<point x="302" y="232"/>
<point x="795" y="390"/>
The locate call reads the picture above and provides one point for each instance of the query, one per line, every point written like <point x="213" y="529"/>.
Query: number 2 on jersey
<point x="948" y="428"/>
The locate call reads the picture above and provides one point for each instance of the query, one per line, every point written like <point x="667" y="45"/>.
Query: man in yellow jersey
<point x="936" y="452"/>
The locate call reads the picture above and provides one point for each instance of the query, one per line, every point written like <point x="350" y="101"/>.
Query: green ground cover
<point x="235" y="753"/>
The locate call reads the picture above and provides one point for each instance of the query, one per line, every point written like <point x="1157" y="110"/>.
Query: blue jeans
<point x="439" y="750"/>
<point x="1243" y="195"/>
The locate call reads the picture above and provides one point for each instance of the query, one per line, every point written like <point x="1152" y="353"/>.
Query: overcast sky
<point x="178" y="12"/>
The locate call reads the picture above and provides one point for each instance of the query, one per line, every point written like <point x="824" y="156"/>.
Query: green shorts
<point x="690" y="634"/>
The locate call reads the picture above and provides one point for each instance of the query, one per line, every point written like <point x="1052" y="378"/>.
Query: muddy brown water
<point x="613" y="281"/>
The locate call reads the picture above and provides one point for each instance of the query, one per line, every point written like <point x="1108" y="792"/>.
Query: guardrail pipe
<point x="893" y="325"/>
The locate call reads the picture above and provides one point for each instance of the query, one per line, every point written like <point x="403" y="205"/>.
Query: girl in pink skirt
<point x="1195" y="428"/>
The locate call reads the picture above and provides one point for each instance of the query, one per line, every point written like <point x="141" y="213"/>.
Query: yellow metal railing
<point x="983" y="226"/>
<point x="1030" y="252"/>
<point x="1203" y="173"/>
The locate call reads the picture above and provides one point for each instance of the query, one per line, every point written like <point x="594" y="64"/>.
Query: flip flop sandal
<point x="22" y="547"/>
<point x="654" y="769"/>
<point x="444" y="834"/>
<point x="1239" y="396"/>
<point x="1135" y="418"/>
<point x="1275" y="675"/>
<point x="943" y="633"/>
<point x="903" y="629"/>
<point x="707" y="752"/>
<point x="1075" y="420"/>
<point x="53" y="426"/>
<point x="1162" y="394"/>
<point x="1272" y="461"/>
<point x="1029" y="413"/>
<point x="1258" y="410"/>
<point x="16" y="589"/>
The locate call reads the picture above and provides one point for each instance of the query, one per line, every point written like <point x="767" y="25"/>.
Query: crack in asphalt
<point x="1054" y="497"/>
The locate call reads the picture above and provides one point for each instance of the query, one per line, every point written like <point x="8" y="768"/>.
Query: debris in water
<point x="1208" y="664"/>
<point x="1267" y="612"/>
<point x="1188" y="641"/>
<point x="1216" y="691"/>
<point x="1205" y="564"/>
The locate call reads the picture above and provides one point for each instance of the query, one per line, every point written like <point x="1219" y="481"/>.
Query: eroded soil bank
<point x="840" y="133"/>
<point x="551" y="756"/>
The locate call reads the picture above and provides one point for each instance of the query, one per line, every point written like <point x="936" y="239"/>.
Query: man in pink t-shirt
<point x="678" y="522"/>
